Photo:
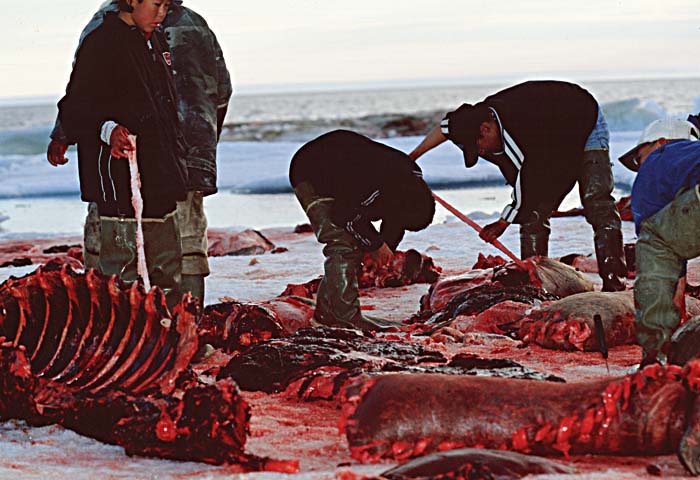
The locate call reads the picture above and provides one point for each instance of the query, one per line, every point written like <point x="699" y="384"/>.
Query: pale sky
<point x="286" y="43"/>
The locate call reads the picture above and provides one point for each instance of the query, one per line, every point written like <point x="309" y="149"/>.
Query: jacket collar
<point x="510" y="146"/>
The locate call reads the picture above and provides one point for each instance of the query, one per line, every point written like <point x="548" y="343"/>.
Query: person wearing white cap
<point x="666" y="210"/>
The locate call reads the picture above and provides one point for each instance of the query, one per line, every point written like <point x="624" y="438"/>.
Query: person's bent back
<point x="345" y="181"/>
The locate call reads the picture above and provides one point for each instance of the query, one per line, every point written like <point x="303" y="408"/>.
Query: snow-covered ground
<point x="305" y="431"/>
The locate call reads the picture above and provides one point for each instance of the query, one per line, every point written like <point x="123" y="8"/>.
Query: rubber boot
<point x="91" y="238"/>
<point x="652" y="357"/>
<point x="162" y="248"/>
<point x="338" y="299"/>
<point x="610" y="255"/>
<point x="191" y="222"/>
<point x="534" y="236"/>
<point x="193" y="284"/>
<point x="532" y="244"/>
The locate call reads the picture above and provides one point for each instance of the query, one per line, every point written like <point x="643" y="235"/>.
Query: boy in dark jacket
<point x="666" y="210"/>
<point x="345" y="181"/>
<point x="121" y="84"/>
<point x="203" y="87"/>
<point x="544" y="136"/>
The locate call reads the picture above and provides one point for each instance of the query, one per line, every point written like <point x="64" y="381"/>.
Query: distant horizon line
<point x="363" y="85"/>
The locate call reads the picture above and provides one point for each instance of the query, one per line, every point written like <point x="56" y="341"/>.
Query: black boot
<point x="534" y="236"/>
<point x="610" y="254"/>
<point x="533" y="244"/>
<point x="338" y="298"/>
<point x="193" y="284"/>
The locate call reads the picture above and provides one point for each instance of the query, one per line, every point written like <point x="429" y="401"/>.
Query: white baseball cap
<point x="668" y="128"/>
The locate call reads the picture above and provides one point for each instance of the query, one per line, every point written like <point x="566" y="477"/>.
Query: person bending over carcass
<point x="345" y="181"/>
<point x="666" y="210"/>
<point x="544" y="136"/>
<point x="121" y="84"/>
<point x="203" y="87"/>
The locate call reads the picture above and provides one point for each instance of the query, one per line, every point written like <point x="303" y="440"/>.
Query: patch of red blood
<point x="488" y="261"/>
<point x="166" y="430"/>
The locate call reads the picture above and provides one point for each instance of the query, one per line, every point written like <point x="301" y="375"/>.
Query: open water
<point x="37" y="199"/>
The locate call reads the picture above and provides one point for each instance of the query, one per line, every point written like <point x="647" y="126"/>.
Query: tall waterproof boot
<point x="338" y="299"/>
<point x="91" y="238"/>
<point x="193" y="284"/>
<point x="532" y="244"/>
<point x="118" y="255"/>
<point x="610" y="255"/>
<point x="192" y="225"/>
<point x="534" y="236"/>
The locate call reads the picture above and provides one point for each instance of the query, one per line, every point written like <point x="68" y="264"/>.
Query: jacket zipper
<point x="99" y="171"/>
<point x="111" y="180"/>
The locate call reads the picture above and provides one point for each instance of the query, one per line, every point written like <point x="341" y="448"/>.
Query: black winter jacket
<point x="120" y="76"/>
<point x="369" y="181"/>
<point x="203" y="87"/>
<point x="544" y="126"/>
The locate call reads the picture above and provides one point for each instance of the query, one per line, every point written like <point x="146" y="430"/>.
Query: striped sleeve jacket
<point x="544" y="126"/>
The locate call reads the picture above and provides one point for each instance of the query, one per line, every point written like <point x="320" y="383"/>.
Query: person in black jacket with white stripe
<point x="544" y="136"/>
<point x="344" y="182"/>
